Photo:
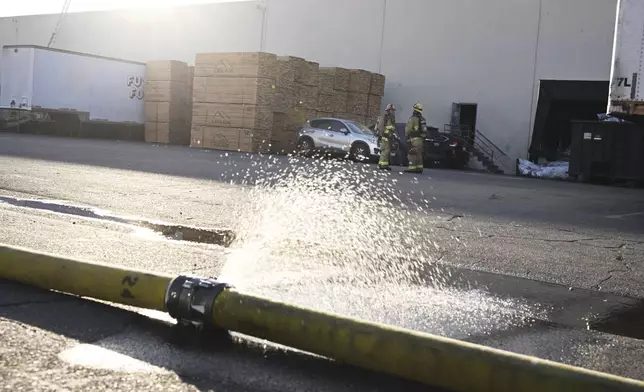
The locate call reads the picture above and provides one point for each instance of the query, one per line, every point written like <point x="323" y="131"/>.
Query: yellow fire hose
<point x="433" y="360"/>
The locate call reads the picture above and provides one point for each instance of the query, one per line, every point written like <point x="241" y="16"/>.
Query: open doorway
<point x="560" y="102"/>
<point x="464" y="116"/>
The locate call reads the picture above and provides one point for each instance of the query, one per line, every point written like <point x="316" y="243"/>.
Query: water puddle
<point x="222" y="237"/>
<point x="340" y="237"/>
<point x="625" y="321"/>
<point x="450" y="301"/>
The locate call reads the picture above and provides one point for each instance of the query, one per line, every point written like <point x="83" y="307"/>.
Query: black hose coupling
<point x="190" y="299"/>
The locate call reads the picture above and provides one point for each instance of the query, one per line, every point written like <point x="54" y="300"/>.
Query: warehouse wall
<point x="333" y="33"/>
<point x="575" y="43"/>
<point x="437" y="52"/>
<point x="142" y="34"/>
<point x="465" y="51"/>
<point x="493" y="53"/>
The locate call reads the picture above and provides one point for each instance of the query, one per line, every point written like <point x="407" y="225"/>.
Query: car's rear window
<point x="321" y="124"/>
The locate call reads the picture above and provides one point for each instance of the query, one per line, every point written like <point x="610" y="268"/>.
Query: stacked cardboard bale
<point x="376" y="92"/>
<point x="297" y="93"/>
<point x="333" y="87"/>
<point x="284" y="85"/>
<point x="283" y="139"/>
<point x="357" y="106"/>
<point x="306" y="93"/>
<point x="257" y="101"/>
<point x="233" y="101"/>
<point x="191" y="78"/>
<point x="167" y="102"/>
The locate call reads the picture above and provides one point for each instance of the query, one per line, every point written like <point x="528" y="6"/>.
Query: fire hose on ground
<point x="208" y="303"/>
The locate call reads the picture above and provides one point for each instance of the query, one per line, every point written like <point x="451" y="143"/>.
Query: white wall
<point x="142" y="34"/>
<point x="437" y="52"/>
<point x="16" y="78"/>
<point x="575" y="43"/>
<point x="89" y="84"/>
<point x="331" y="32"/>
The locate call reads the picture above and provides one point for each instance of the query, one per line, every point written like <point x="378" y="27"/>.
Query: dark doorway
<point x="560" y="102"/>
<point x="464" y="115"/>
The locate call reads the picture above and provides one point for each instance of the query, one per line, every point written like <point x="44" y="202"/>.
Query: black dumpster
<point x="607" y="150"/>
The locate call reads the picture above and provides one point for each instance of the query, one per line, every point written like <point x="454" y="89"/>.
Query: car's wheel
<point x="305" y="146"/>
<point x="360" y="152"/>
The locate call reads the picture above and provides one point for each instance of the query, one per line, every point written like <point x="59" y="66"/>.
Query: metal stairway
<point x="483" y="149"/>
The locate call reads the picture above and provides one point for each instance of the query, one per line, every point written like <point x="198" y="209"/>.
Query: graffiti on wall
<point x="135" y="83"/>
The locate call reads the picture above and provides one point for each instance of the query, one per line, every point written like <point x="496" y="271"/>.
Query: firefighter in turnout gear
<point x="386" y="130"/>
<point x="415" y="134"/>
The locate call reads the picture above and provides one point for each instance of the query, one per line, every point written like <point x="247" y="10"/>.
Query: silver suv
<point x="336" y="136"/>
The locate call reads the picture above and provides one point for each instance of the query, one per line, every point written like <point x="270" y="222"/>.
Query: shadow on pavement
<point x="206" y="362"/>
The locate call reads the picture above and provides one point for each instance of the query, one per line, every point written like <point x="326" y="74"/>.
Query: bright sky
<point x="34" y="7"/>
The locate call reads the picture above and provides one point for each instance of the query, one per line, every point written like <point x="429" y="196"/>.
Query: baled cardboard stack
<point x="357" y="106"/>
<point x="254" y="102"/>
<point x="333" y="87"/>
<point x="284" y="85"/>
<point x="376" y="92"/>
<point x="167" y="102"/>
<point x="283" y="139"/>
<point x="297" y="99"/>
<point x="306" y="93"/>
<point x="233" y="101"/>
<point x="191" y="78"/>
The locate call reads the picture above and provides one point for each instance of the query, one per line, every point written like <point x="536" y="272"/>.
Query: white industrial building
<point x="493" y="53"/>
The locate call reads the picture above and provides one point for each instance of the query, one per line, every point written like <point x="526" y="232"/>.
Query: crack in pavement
<point x="608" y="247"/>
<point x="598" y="286"/>
<point x="481" y="235"/>
<point x="626" y="241"/>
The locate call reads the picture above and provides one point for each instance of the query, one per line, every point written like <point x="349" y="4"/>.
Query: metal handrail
<point x="481" y="143"/>
<point x="493" y="152"/>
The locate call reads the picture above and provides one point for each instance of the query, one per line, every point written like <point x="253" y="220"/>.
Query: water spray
<point x="211" y="304"/>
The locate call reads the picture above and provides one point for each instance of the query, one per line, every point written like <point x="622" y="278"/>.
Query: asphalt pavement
<point x="545" y="268"/>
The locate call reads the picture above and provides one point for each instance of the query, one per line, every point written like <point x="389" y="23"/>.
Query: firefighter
<point x="386" y="129"/>
<point x="414" y="132"/>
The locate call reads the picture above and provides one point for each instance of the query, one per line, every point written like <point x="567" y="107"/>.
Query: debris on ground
<point x="608" y="118"/>
<point x="552" y="170"/>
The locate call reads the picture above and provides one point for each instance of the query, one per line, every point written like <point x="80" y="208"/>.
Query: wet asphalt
<point x="539" y="267"/>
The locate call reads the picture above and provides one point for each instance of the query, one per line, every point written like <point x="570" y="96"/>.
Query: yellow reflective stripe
<point x="415" y="128"/>
<point x="383" y="163"/>
<point x="389" y="127"/>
